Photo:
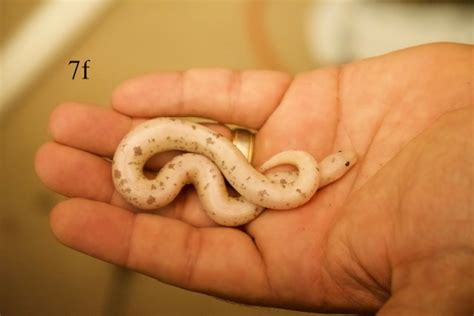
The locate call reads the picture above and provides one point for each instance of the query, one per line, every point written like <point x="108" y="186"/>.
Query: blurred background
<point x="123" y="39"/>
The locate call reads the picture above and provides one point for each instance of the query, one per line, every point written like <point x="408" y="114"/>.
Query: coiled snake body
<point x="209" y="155"/>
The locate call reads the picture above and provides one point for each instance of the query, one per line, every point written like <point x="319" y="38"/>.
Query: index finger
<point x="220" y="94"/>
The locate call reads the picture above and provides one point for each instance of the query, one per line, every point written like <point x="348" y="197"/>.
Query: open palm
<point x="386" y="229"/>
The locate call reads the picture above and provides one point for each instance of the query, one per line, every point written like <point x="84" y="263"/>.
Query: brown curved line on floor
<point x="254" y="14"/>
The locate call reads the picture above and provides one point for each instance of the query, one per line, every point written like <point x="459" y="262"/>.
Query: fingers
<point x="93" y="129"/>
<point x="99" y="131"/>
<point x="217" y="261"/>
<point x="310" y="105"/>
<point x="222" y="95"/>
<point x="75" y="173"/>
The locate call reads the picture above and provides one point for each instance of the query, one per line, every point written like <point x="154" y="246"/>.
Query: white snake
<point x="208" y="155"/>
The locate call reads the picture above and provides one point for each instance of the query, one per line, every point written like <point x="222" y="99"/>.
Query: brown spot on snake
<point x="117" y="174"/>
<point x="262" y="193"/>
<point x="137" y="150"/>
<point x="150" y="200"/>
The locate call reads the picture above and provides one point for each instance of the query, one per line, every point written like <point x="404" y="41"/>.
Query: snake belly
<point x="210" y="157"/>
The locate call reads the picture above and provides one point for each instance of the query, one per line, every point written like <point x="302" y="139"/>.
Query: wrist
<point x="442" y="284"/>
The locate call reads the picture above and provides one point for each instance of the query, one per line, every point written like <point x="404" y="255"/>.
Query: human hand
<point x="393" y="233"/>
